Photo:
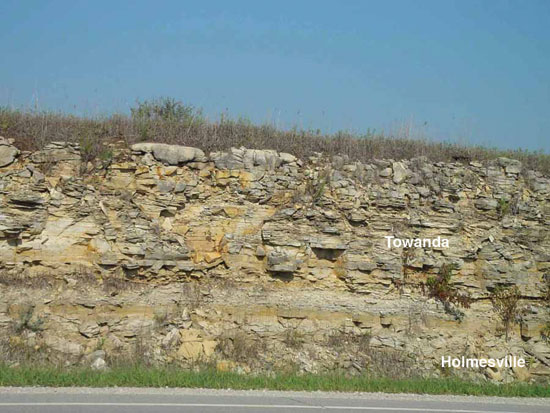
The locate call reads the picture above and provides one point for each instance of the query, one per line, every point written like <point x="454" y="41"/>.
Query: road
<point x="135" y="400"/>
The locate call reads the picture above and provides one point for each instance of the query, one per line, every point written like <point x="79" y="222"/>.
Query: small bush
<point x="506" y="304"/>
<point x="26" y="320"/>
<point x="342" y="340"/>
<point x="503" y="207"/>
<point x="236" y="345"/>
<point x="164" y="112"/>
<point x="161" y="317"/>
<point x="166" y="109"/>
<point x="294" y="338"/>
<point x="440" y="288"/>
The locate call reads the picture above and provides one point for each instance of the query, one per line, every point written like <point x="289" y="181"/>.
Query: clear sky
<point x="464" y="71"/>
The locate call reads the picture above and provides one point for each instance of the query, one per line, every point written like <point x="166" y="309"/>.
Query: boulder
<point x="265" y="159"/>
<point x="229" y="160"/>
<point x="171" y="339"/>
<point x="243" y="158"/>
<point x="170" y="154"/>
<point x="400" y="172"/>
<point x="89" y="329"/>
<point x="56" y="152"/>
<point x="191" y="350"/>
<point x="62" y="345"/>
<point x="486" y="203"/>
<point x="8" y="153"/>
<point x="99" y="364"/>
<point x="279" y="261"/>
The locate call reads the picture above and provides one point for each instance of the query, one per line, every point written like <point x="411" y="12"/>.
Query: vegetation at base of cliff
<point x="170" y="121"/>
<point x="138" y="376"/>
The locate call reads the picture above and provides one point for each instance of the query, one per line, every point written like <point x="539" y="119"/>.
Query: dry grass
<point x="385" y="362"/>
<point x="238" y="346"/>
<point x="32" y="130"/>
<point x="24" y="280"/>
<point x="294" y="338"/>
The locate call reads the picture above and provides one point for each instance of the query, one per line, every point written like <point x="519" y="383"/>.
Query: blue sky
<point x="463" y="71"/>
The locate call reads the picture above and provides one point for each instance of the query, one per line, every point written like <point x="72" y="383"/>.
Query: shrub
<point x="315" y="187"/>
<point x="236" y="345"/>
<point x="26" y="320"/>
<point x="166" y="109"/>
<point x="440" y="288"/>
<point x="294" y="338"/>
<point x="506" y="304"/>
<point x="503" y="207"/>
<point x="342" y="340"/>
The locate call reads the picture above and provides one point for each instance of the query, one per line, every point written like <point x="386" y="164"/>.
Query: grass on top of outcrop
<point x="138" y="376"/>
<point x="166" y="120"/>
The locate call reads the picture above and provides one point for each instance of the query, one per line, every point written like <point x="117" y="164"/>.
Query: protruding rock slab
<point x="170" y="154"/>
<point x="8" y="153"/>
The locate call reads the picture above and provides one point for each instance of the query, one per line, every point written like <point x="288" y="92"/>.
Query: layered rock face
<point x="257" y="260"/>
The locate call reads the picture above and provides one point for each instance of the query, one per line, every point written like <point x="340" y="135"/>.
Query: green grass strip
<point x="138" y="376"/>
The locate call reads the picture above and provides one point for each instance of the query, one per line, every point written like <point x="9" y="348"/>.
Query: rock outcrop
<point x="8" y="152"/>
<point x="200" y="253"/>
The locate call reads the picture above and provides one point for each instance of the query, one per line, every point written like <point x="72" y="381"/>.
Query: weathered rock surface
<point x="170" y="154"/>
<point x="181" y="248"/>
<point x="8" y="153"/>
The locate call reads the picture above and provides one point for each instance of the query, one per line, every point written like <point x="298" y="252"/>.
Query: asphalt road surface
<point x="135" y="400"/>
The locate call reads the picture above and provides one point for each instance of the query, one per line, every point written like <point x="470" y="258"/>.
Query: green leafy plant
<point x="440" y="288"/>
<point x="503" y="207"/>
<point x="27" y="322"/>
<point x="166" y="109"/>
<point x="294" y="338"/>
<point x="157" y="117"/>
<point x="317" y="185"/>
<point x="505" y="302"/>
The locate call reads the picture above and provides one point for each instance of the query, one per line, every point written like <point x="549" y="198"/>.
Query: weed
<point x="545" y="332"/>
<point x="166" y="109"/>
<point x="440" y="288"/>
<point x="160" y="317"/>
<point x="340" y="340"/>
<point x="191" y="295"/>
<point x="505" y="302"/>
<point x="503" y="207"/>
<point x="26" y="320"/>
<point x="416" y="316"/>
<point x="236" y="345"/>
<point x="100" y="344"/>
<point x="113" y="285"/>
<point x="294" y="338"/>
<point x="379" y="362"/>
<point x="316" y="186"/>
<point x="23" y="279"/>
